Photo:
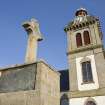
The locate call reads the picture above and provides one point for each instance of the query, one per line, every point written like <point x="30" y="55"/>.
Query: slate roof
<point x="64" y="80"/>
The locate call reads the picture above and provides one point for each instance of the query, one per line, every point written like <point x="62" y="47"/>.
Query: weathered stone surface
<point x="20" y="98"/>
<point x="19" y="83"/>
<point x="50" y="85"/>
<point x="17" y="79"/>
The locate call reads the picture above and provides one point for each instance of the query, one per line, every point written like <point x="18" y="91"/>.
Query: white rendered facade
<point x="81" y="85"/>
<point x="99" y="100"/>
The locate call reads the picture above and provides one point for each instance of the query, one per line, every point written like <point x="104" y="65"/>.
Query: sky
<point x="52" y="16"/>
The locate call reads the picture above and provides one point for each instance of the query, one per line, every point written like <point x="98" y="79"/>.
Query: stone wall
<point x="30" y="84"/>
<point x="20" y="98"/>
<point x="50" y="85"/>
<point x="18" y="78"/>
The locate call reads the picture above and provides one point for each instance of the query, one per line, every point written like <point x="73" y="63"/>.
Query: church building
<point x="86" y="58"/>
<point x="37" y="83"/>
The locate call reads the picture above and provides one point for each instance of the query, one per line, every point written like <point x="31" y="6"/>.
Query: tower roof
<point x="81" y="11"/>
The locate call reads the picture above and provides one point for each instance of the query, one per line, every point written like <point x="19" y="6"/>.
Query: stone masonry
<point x="43" y="90"/>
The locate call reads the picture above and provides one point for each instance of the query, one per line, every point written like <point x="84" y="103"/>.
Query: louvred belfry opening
<point x="78" y="40"/>
<point x="86" y="37"/>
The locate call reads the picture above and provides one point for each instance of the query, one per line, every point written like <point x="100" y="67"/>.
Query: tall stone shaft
<point x="34" y="35"/>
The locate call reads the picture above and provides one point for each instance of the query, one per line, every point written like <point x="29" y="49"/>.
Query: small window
<point x="78" y="40"/>
<point x="87" y="72"/>
<point x="90" y="103"/>
<point x="86" y="37"/>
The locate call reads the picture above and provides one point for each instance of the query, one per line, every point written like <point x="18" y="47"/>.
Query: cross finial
<point x="34" y="35"/>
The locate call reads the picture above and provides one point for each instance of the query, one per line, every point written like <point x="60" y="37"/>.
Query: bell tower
<point x="85" y="55"/>
<point x="86" y="58"/>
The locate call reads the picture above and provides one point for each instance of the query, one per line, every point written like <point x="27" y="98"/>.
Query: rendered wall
<point x="99" y="100"/>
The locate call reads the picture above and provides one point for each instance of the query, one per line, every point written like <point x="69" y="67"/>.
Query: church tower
<point x="86" y="57"/>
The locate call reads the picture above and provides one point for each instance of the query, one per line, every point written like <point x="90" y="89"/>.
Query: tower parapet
<point x="82" y="19"/>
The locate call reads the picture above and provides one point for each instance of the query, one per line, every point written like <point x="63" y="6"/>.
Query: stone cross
<point x="34" y="35"/>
